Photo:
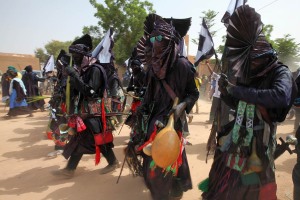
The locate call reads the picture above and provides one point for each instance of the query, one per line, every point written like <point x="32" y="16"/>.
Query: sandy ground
<point x="25" y="169"/>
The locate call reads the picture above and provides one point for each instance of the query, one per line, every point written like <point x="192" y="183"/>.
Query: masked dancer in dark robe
<point x="88" y="118"/>
<point x="31" y="80"/>
<point x="58" y="111"/>
<point x="137" y="84"/>
<point x="136" y="89"/>
<point x="166" y="69"/>
<point x="114" y="90"/>
<point x="243" y="166"/>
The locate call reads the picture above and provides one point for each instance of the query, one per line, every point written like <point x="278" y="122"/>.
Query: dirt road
<point x="25" y="169"/>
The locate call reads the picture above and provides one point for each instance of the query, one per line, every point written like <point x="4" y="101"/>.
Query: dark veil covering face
<point x="164" y="52"/>
<point x="246" y="43"/>
<point x="81" y="48"/>
<point x="82" y="45"/>
<point x="144" y="47"/>
<point x="172" y="30"/>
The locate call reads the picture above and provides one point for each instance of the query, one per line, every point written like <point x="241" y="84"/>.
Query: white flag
<point x="233" y="5"/>
<point x="205" y="45"/>
<point x="103" y="51"/>
<point x="49" y="66"/>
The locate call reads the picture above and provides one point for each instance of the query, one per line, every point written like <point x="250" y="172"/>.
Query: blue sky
<point x="30" y="24"/>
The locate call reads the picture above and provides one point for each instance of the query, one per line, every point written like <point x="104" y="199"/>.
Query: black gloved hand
<point x="224" y="85"/>
<point x="178" y="110"/>
<point x="71" y="71"/>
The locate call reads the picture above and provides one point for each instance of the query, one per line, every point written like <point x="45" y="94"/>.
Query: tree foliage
<point x="51" y="48"/>
<point x="54" y="47"/>
<point x="95" y="32"/>
<point x="126" y="17"/>
<point x="209" y="17"/>
<point x="41" y="55"/>
<point x="288" y="51"/>
<point x="267" y="31"/>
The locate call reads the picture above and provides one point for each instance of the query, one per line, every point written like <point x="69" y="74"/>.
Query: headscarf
<point x="83" y="46"/>
<point x="11" y="68"/>
<point x="262" y="48"/>
<point x="164" y="58"/>
<point x="262" y="57"/>
<point x="28" y="68"/>
<point x="13" y="73"/>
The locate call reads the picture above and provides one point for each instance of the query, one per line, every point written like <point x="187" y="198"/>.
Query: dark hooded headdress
<point x="181" y="26"/>
<point x="163" y="61"/>
<point x="144" y="46"/>
<point x="82" y="45"/>
<point x="245" y="42"/>
<point x="155" y="25"/>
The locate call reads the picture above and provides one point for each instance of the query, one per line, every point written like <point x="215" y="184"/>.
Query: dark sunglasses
<point x="157" y="38"/>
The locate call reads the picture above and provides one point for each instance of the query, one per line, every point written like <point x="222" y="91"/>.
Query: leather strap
<point x="169" y="89"/>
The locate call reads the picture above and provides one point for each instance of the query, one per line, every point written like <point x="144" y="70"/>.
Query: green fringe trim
<point x="203" y="185"/>
<point x="152" y="164"/>
<point x="168" y="168"/>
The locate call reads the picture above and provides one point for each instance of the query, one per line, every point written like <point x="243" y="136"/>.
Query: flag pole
<point x="68" y="93"/>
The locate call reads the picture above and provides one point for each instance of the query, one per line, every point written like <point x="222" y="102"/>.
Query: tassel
<point x="72" y="122"/>
<point x="134" y="105"/>
<point x="152" y="167"/>
<point x="203" y="185"/>
<point x="49" y="135"/>
<point x="152" y="164"/>
<point x="178" y="162"/>
<point x="153" y="134"/>
<point x="174" y="169"/>
<point x="168" y="168"/>
<point x="98" y="155"/>
<point x="152" y="173"/>
<point x="80" y="124"/>
<point x="63" y="107"/>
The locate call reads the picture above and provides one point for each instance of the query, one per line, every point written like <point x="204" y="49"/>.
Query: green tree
<point x="51" y="48"/>
<point x="288" y="51"/>
<point x="220" y="48"/>
<point x="41" y="55"/>
<point x="126" y="17"/>
<point x="95" y="32"/>
<point x="267" y="30"/>
<point x="54" y="47"/>
<point x="209" y="17"/>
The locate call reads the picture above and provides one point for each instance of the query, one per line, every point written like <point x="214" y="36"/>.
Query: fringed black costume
<point x="164" y="65"/>
<point x="243" y="166"/>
